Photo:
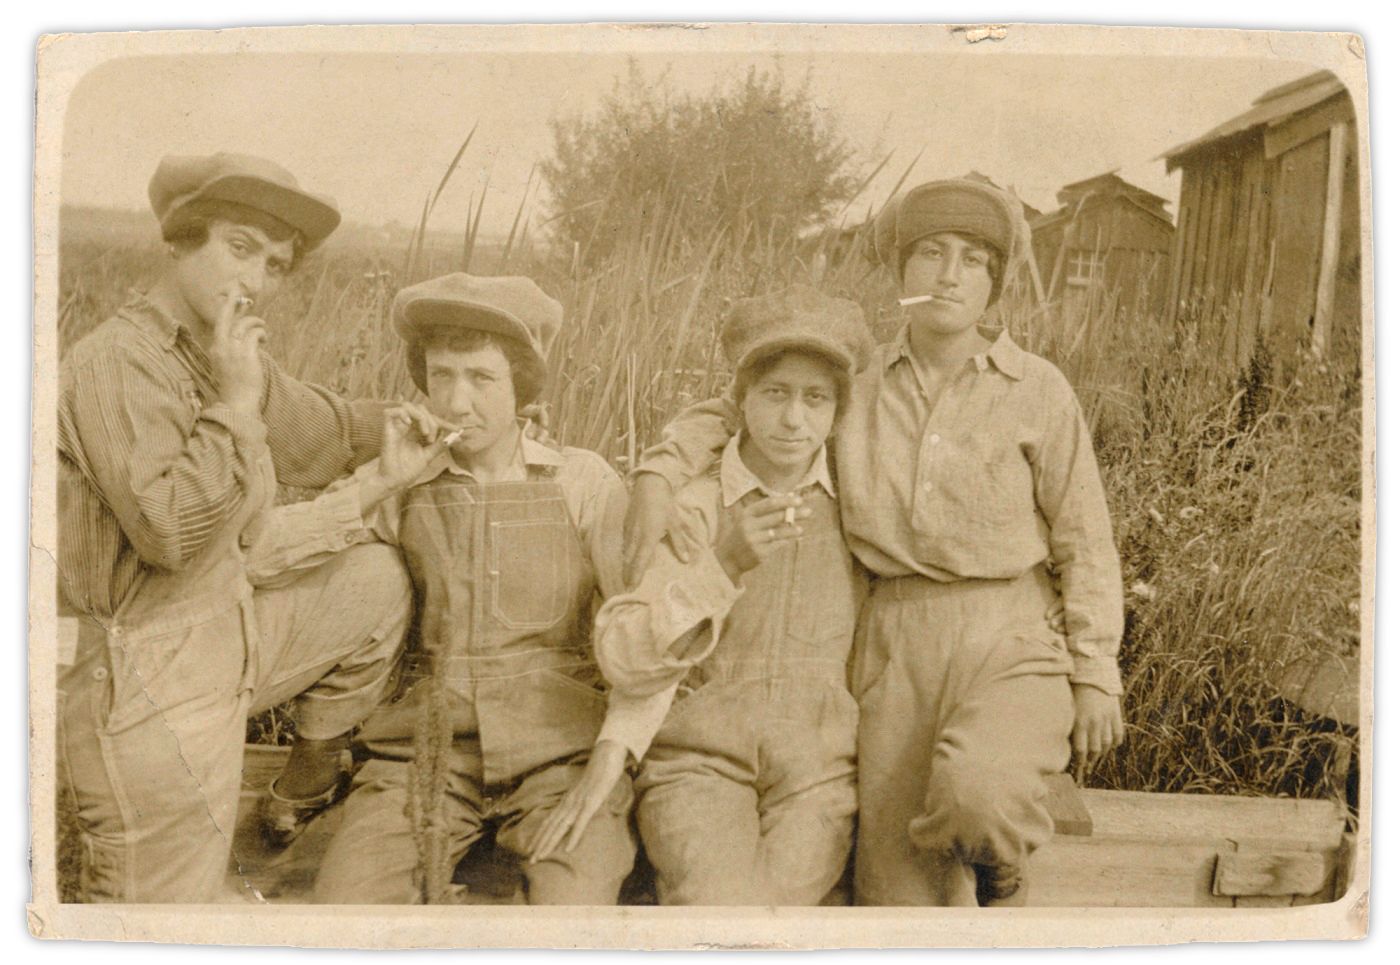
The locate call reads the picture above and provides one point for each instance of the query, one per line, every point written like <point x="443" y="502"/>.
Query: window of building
<point x="1085" y="265"/>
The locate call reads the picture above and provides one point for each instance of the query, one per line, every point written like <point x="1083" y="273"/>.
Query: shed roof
<point x="1271" y="107"/>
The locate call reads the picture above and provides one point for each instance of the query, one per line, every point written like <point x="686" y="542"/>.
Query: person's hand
<point x="764" y="526"/>
<point x="570" y="817"/>
<point x="1098" y="727"/>
<point x="648" y="510"/>
<point x="413" y="438"/>
<point x="234" y="356"/>
<point x="1055" y="616"/>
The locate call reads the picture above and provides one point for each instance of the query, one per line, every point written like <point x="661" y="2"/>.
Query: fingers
<point x="1080" y="743"/>
<point x="552" y="831"/>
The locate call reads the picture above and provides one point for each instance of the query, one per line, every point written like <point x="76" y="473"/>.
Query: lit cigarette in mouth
<point x="242" y="303"/>
<point x="915" y="300"/>
<point x="452" y="437"/>
<point x="790" y="516"/>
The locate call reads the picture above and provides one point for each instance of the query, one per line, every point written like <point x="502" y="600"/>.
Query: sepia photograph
<point x="803" y="486"/>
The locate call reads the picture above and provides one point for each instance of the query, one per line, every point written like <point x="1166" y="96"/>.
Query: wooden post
<point x="1331" y="240"/>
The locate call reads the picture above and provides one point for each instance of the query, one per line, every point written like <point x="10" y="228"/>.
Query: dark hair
<point x="745" y="378"/>
<point x="996" y="262"/>
<point x="187" y="229"/>
<point x="527" y="372"/>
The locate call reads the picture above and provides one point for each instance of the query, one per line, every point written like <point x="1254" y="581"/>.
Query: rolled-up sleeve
<point x="1070" y="496"/>
<point x="293" y="538"/>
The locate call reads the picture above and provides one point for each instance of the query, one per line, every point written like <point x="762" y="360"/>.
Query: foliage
<point x="755" y="160"/>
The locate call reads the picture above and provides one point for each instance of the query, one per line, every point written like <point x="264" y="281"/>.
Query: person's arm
<point x="361" y="508"/>
<point x="170" y="486"/>
<point x="315" y="435"/>
<point x="689" y="446"/>
<point x="1070" y="495"/>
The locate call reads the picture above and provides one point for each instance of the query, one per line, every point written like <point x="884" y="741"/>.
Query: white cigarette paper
<point x="452" y="437"/>
<point x="915" y="300"/>
<point x="790" y="515"/>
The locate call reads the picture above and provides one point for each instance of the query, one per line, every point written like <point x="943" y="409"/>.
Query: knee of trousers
<point x="372" y="580"/>
<point x="983" y="811"/>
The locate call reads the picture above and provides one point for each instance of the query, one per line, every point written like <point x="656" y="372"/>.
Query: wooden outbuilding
<point x="1106" y="233"/>
<point x="1267" y="249"/>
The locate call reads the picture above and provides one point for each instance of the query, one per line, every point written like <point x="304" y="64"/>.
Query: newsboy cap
<point x="242" y="179"/>
<point x="512" y="306"/>
<point x="799" y="317"/>
<point x="962" y="205"/>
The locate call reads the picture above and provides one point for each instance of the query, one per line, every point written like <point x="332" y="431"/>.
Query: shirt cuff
<point x="633" y="721"/>
<point x="1100" y="672"/>
<point x="248" y="432"/>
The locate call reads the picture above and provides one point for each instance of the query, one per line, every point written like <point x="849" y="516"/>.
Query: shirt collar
<point x="146" y="314"/>
<point x="1008" y="357"/>
<point x="531" y="457"/>
<point x="736" y="480"/>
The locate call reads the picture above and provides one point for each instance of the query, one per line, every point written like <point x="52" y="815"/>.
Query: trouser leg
<point x="698" y="817"/>
<point x="330" y="639"/>
<point x="985" y="800"/>
<point x="153" y="756"/>
<point x="808" y="800"/>
<point x="898" y="725"/>
<point x="374" y="855"/>
<point x="592" y="873"/>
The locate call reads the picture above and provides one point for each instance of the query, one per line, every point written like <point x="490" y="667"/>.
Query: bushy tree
<point x="755" y="158"/>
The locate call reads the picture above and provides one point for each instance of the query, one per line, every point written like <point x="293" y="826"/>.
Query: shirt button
<point x="934" y="439"/>
<point x="928" y="487"/>
<point x="349" y="538"/>
<point x="99" y="673"/>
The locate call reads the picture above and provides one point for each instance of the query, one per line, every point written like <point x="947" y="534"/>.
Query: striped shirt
<point x="150" y="464"/>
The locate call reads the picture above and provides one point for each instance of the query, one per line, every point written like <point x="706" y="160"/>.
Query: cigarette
<point x="452" y="437"/>
<point x="242" y="303"/>
<point x="790" y="515"/>
<point x="915" y="300"/>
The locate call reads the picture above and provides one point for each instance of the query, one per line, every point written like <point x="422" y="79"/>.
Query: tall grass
<point x="1236" y="502"/>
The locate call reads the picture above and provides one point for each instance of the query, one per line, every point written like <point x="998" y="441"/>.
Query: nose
<point x="792" y="414"/>
<point x="463" y="400"/>
<point x="253" y="279"/>
<point x="949" y="272"/>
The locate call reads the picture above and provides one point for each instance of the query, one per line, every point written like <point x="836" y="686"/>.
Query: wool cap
<point x="242" y="179"/>
<point x="511" y="306"/>
<point x="962" y="205"/>
<point x="799" y="317"/>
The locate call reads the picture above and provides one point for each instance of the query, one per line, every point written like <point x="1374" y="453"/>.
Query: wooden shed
<point x="1268" y="231"/>
<point x="1108" y="233"/>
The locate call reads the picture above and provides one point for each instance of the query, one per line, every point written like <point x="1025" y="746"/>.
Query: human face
<point x="788" y="415"/>
<point x="238" y="260"/>
<point x="957" y="273"/>
<point x="473" y="391"/>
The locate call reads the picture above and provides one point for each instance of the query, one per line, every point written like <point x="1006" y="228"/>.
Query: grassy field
<point x="1236" y="499"/>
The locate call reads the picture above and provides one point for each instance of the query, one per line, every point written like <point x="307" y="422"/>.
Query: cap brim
<point x="312" y="216"/>
<point x="427" y="311"/>
<point x="806" y="343"/>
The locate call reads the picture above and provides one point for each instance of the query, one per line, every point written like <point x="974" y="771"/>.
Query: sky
<point x="376" y="131"/>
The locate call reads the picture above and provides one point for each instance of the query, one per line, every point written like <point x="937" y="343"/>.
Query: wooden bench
<point x="1111" y="848"/>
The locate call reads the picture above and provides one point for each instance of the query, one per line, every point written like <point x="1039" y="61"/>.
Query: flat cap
<point x="963" y="205"/>
<point x="512" y="306"/>
<point x="242" y="179"/>
<point x="799" y="317"/>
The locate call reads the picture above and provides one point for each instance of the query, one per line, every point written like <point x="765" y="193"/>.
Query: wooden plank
<point x="1255" y="174"/>
<point x="1298" y="211"/>
<point x="1069" y="872"/>
<point x="1281" y="823"/>
<point x="1286" y="135"/>
<point x="1273" y="873"/>
<point x="1067" y="807"/>
<point x="1331" y="240"/>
